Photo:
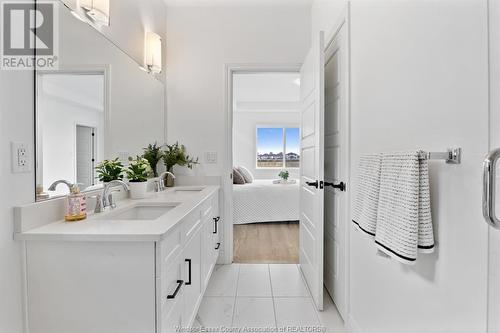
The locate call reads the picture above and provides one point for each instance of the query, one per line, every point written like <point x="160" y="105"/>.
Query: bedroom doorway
<point x="265" y="112"/>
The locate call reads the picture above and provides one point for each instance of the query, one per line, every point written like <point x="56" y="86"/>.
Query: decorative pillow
<point x="246" y="174"/>
<point x="238" y="177"/>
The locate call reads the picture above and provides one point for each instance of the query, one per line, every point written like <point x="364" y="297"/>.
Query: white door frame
<point x="227" y="181"/>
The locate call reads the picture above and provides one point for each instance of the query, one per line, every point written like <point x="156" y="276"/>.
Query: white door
<point x="85" y="158"/>
<point x="494" y="233"/>
<point x="336" y="170"/>
<point x="311" y="180"/>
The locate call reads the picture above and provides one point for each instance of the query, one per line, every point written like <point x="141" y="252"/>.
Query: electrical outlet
<point x="20" y="157"/>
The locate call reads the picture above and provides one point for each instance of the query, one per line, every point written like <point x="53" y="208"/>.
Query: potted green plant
<point x="137" y="172"/>
<point x="153" y="153"/>
<point x="109" y="170"/>
<point x="173" y="155"/>
<point x="284" y="174"/>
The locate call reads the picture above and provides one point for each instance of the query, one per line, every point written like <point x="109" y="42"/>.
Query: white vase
<point x="138" y="190"/>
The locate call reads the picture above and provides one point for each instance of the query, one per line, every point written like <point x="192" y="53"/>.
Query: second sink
<point x="142" y="212"/>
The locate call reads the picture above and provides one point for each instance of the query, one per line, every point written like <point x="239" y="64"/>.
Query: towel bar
<point x="452" y="156"/>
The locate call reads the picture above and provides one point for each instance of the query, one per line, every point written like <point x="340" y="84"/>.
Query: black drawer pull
<point x="218" y="246"/>
<point x="189" y="272"/>
<point x="179" y="285"/>
<point x="216" y="225"/>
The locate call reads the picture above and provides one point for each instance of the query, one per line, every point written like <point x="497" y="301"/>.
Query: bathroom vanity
<point x="142" y="267"/>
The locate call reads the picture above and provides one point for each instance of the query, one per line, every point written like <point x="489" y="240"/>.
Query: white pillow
<point x="246" y="174"/>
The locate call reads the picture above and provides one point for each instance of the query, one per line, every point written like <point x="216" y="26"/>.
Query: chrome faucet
<point x="106" y="198"/>
<point x="160" y="184"/>
<point x="61" y="181"/>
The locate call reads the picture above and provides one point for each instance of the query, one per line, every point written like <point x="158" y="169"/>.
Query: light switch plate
<point x="20" y="157"/>
<point x="123" y="157"/>
<point x="211" y="157"/>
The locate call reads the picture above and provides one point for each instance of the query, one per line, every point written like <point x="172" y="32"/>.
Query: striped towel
<point x="404" y="224"/>
<point x="366" y="202"/>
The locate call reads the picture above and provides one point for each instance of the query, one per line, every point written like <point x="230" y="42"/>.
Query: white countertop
<point x="96" y="228"/>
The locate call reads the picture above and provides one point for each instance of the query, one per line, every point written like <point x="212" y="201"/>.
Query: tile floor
<point x="261" y="295"/>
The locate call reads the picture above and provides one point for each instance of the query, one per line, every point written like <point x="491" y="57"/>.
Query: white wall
<point x="16" y="124"/>
<point x="136" y="115"/>
<point x="262" y="99"/>
<point x="200" y="41"/>
<point x="419" y="81"/>
<point x="129" y="22"/>
<point x="244" y="142"/>
<point x="325" y="14"/>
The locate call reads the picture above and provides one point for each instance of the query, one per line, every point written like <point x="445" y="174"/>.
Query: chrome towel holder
<point x="451" y="156"/>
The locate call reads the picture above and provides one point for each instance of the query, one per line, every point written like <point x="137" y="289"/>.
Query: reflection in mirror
<point x="70" y="111"/>
<point x="98" y="89"/>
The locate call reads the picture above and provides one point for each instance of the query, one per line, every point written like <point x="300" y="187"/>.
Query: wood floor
<point x="269" y="243"/>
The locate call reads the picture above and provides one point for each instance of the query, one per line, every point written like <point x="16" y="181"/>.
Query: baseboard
<point x="352" y="326"/>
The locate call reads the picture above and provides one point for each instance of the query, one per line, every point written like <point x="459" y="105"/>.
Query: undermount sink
<point x="189" y="189"/>
<point x="142" y="212"/>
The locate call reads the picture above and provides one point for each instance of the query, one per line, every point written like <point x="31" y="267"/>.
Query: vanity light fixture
<point x="153" y="53"/>
<point x="96" y="10"/>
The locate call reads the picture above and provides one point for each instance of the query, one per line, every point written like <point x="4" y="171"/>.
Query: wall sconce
<point x="153" y="53"/>
<point x="96" y="10"/>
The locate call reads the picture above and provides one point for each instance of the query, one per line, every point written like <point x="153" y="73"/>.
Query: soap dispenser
<point x="76" y="205"/>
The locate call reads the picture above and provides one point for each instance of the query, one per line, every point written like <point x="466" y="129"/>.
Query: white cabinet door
<point x="207" y="250"/>
<point x="192" y="277"/>
<point x="173" y="320"/>
<point x="216" y="241"/>
<point x="312" y="161"/>
<point x="172" y="297"/>
<point x="218" y="228"/>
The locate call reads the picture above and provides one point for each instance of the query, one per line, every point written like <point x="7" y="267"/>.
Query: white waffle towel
<point x="366" y="201"/>
<point x="404" y="223"/>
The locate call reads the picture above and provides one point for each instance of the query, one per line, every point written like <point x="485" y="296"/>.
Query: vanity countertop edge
<point x="95" y="229"/>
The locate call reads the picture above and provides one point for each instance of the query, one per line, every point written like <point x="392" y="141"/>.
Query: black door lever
<point x="341" y="186"/>
<point x="313" y="184"/>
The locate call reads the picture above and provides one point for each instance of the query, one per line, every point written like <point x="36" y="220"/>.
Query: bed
<point x="263" y="201"/>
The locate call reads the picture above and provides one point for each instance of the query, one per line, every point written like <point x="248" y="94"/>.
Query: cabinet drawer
<point x="171" y="246"/>
<point x="191" y="223"/>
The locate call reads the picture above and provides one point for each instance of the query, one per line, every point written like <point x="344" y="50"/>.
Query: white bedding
<point x="263" y="201"/>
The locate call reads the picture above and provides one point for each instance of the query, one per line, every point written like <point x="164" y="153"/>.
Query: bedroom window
<point x="278" y="147"/>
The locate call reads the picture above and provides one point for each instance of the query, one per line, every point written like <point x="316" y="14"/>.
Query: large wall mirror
<point x="99" y="104"/>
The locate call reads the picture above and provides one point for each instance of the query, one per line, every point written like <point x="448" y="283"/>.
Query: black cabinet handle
<point x="218" y="246"/>
<point x="216" y="225"/>
<point x="313" y="184"/>
<point x="179" y="285"/>
<point x="341" y="186"/>
<point x="189" y="272"/>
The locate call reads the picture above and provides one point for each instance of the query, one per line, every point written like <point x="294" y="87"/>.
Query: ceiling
<point x="233" y="3"/>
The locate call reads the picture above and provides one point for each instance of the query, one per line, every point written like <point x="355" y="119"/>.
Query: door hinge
<point x="321" y="184"/>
